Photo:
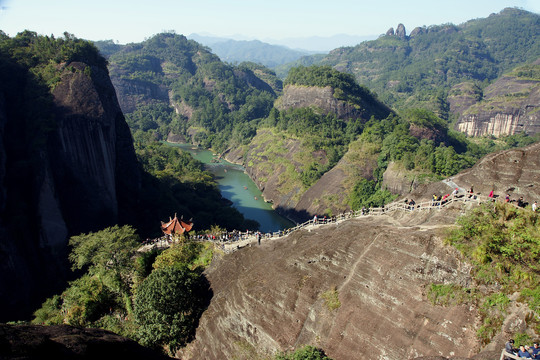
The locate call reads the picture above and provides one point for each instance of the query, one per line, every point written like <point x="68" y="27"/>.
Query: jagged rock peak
<point x="390" y="32"/>
<point x="417" y="31"/>
<point x="400" y="31"/>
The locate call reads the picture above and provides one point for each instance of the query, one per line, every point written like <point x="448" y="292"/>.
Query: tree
<point x="108" y="254"/>
<point x="168" y="305"/>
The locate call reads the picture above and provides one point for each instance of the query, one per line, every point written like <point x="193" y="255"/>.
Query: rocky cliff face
<point x="131" y="93"/>
<point x="378" y="269"/>
<point x="317" y="97"/>
<point x="509" y="106"/>
<point x="80" y="177"/>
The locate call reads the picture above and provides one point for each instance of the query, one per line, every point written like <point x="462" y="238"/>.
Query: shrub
<point x="168" y="304"/>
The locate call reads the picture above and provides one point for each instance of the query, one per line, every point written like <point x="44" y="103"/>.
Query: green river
<point x="238" y="187"/>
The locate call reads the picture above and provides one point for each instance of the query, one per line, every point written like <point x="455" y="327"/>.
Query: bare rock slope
<point x="358" y="289"/>
<point x="273" y="297"/>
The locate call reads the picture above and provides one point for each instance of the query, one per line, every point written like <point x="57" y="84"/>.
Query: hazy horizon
<point x="276" y="23"/>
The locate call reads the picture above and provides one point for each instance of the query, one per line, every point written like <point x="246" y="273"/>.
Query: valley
<point x="96" y="145"/>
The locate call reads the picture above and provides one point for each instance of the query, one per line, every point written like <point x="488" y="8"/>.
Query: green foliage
<point x="107" y="254"/>
<point x="501" y="238"/>
<point x="307" y="352"/>
<point x="49" y="313"/>
<point x="522" y="339"/>
<point x="503" y="244"/>
<point x="449" y="294"/>
<point x="419" y="71"/>
<point x="331" y="299"/>
<point x="221" y="98"/>
<point x="167" y="307"/>
<point x="492" y="312"/>
<point x="86" y="300"/>
<point x="180" y="254"/>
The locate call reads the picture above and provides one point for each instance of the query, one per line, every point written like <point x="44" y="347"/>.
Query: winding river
<point x="236" y="186"/>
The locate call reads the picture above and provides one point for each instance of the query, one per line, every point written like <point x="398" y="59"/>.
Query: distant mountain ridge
<point x="237" y="51"/>
<point x="309" y="44"/>
<point x="417" y="70"/>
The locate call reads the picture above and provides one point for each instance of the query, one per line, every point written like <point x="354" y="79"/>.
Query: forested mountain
<point x="323" y="146"/>
<point x="213" y="102"/>
<point x="418" y="70"/>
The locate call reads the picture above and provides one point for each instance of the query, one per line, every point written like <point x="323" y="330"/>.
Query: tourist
<point x="507" y="198"/>
<point x="509" y="348"/>
<point x="521" y="202"/>
<point x="535" y="351"/>
<point x="534" y="206"/>
<point x="490" y="194"/>
<point x="455" y="191"/>
<point x="523" y="353"/>
<point x="471" y="192"/>
<point x="315" y="219"/>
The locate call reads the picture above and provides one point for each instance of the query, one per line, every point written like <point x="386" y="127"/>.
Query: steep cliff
<point x="318" y="97"/>
<point x="378" y="270"/>
<point x="70" y="168"/>
<point x="509" y="106"/>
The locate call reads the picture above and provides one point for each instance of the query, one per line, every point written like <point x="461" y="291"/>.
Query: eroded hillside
<point x="272" y="298"/>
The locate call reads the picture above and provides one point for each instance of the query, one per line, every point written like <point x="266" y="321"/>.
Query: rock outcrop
<point x="68" y="342"/>
<point x="514" y="172"/>
<point x="322" y="98"/>
<point x="60" y="181"/>
<point x="378" y="269"/>
<point x="509" y="106"/>
<point x="401" y="32"/>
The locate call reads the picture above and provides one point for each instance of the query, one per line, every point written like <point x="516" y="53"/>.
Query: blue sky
<point x="135" y="20"/>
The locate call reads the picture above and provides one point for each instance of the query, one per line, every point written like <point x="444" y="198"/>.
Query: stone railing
<point x="231" y="241"/>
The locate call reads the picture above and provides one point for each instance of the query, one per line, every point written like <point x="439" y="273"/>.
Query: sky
<point x="135" y="20"/>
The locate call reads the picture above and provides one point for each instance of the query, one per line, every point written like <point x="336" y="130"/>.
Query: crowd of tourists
<point x="522" y="351"/>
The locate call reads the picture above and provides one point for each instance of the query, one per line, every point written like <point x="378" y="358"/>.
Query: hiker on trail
<point x="507" y="198"/>
<point x="534" y="207"/>
<point x="471" y="192"/>
<point x="523" y="353"/>
<point x="455" y="191"/>
<point x="535" y="350"/>
<point x="259" y="237"/>
<point x="509" y="348"/>
<point x="521" y="202"/>
<point x="490" y="194"/>
<point x="315" y="219"/>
